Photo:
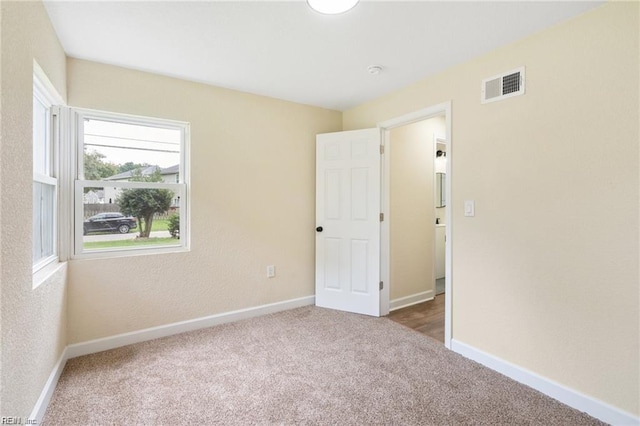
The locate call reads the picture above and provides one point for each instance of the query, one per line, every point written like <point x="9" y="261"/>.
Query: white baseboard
<point x="40" y="408"/>
<point x="594" y="407"/>
<point x="99" y="345"/>
<point x="570" y="397"/>
<point x="410" y="300"/>
<point x="112" y="342"/>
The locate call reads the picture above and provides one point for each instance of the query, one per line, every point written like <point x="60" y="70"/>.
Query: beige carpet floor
<point x="304" y="366"/>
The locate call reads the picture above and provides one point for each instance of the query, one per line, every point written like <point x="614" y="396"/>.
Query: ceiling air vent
<point x="502" y="86"/>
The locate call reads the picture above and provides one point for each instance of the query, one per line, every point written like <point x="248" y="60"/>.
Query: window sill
<point x="45" y="273"/>
<point x="109" y="254"/>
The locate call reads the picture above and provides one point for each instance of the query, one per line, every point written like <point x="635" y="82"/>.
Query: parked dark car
<point x="109" y="222"/>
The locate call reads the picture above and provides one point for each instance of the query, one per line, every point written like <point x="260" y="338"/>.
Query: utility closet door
<point x="348" y="221"/>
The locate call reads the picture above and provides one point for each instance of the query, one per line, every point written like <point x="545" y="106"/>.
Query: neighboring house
<point x="169" y="175"/>
<point x="93" y="197"/>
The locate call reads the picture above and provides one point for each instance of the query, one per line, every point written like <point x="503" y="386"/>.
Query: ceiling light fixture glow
<point x="332" y="7"/>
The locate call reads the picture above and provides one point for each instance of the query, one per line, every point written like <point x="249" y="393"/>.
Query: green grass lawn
<point x="132" y="243"/>
<point x="156" y="225"/>
<point x="160" y="225"/>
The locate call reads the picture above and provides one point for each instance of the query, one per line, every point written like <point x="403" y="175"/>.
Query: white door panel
<point x="348" y="212"/>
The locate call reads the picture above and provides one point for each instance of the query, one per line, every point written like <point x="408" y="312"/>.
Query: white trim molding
<point x="112" y="342"/>
<point x="385" y="127"/>
<point x="99" y="345"/>
<point x="587" y="404"/>
<point x="76" y="125"/>
<point x="412" y="299"/>
<point x="37" y="414"/>
<point x="570" y="397"/>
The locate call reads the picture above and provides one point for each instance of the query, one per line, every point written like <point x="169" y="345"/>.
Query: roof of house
<point x="170" y="170"/>
<point x="145" y="172"/>
<point x="99" y="193"/>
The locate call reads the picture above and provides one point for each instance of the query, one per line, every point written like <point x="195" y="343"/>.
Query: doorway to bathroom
<point x="416" y="187"/>
<point x="440" y="205"/>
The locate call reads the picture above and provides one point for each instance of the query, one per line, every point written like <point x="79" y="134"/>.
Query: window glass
<point x="131" y="184"/>
<point x="41" y="139"/>
<point x="44" y="226"/>
<point x="43" y="221"/>
<point x="113" y="151"/>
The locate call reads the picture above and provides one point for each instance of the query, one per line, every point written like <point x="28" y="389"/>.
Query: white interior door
<point x="348" y="221"/>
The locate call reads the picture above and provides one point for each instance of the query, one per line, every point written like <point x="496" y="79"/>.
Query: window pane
<point x="43" y="220"/>
<point x="123" y="152"/>
<point x="116" y="218"/>
<point x="41" y="145"/>
<point x="116" y="213"/>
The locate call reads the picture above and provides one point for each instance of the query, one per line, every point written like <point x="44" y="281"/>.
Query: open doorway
<point x="440" y="206"/>
<point x="416" y="187"/>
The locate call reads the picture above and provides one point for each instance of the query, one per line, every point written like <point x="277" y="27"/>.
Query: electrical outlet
<point x="271" y="271"/>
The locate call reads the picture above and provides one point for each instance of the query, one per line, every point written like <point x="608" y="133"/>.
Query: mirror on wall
<point x="441" y="182"/>
<point x="440" y="166"/>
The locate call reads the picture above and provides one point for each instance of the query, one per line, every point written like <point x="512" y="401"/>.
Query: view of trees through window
<point x="118" y="215"/>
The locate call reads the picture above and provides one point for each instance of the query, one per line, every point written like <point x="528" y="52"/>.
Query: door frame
<point x="385" y="249"/>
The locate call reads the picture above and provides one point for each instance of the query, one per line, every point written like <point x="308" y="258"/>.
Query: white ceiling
<point x="285" y="50"/>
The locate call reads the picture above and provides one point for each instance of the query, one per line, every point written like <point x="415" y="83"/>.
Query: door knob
<point x="319" y="229"/>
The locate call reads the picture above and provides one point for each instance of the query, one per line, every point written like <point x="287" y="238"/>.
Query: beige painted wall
<point x="1" y="223"/>
<point x="412" y="209"/>
<point x="545" y="276"/>
<point x="252" y="204"/>
<point x="33" y="322"/>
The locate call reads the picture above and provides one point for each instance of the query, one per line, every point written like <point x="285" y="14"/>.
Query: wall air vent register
<point x="503" y="86"/>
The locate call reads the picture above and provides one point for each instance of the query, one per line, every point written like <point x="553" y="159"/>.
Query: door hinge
<point x="381" y="149"/>
<point x="381" y="285"/>
<point x="381" y="217"/>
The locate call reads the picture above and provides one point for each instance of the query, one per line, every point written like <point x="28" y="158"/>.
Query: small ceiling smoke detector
<point x="374" y="69"/>
<point x="332" y="7"/>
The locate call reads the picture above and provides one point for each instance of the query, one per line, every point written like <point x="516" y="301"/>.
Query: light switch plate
<point x="469" y="208"/>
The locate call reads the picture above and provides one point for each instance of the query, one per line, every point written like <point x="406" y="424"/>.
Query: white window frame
<point x="47" y="96"/>
<point x="181" y="188"/>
